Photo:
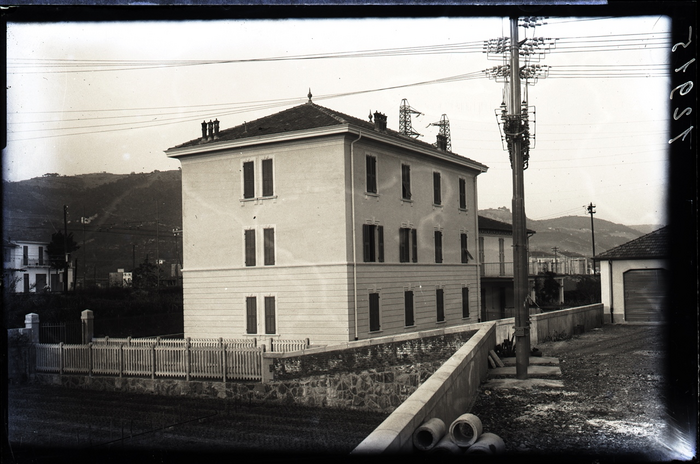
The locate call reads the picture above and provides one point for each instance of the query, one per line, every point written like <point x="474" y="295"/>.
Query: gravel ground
<point x="611" y="406"/>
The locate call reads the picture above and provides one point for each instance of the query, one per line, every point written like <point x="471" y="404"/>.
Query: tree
<point x="547" y="291"/>
<point x="58" y="248"/>
<point x="146" y="275"/>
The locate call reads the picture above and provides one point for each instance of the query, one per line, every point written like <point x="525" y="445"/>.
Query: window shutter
<point x="408" y="302"/>
<point x="380" y="243"/>
<point x="366" y="240"/>
<point x="248" y="180"/>
<point x="438" y="246"/>
<point x="414" y="245"/>
<point x="269" y="238"/>
<point x="371" y="174"/>
<point x="462" y="194"/>
<point x="406" y="181"/>
<point x="268" y="187"/>
<point x="403" y="245"/>
<point x="251" y="316"/>
<point x="250" y="247"/>
<point x="465" y="301"/>
<point x="463" y="242"/>
<point x="437" y="197"/>
<point x="270" y="315"/>
<point x="440" y="302"/>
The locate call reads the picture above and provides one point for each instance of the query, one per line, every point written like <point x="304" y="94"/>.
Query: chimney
<point x="216" y="128"/>
<point x="210" y="127"/>
<point x="204" y="130"/>
<point x="441" y="143"/>
<point x="379" y="121"/>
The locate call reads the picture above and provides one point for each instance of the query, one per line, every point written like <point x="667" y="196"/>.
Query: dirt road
<point x="612" y="403"/>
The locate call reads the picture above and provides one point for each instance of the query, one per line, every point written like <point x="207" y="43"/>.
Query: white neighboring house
<point x="26" y="266"/>
<point x="633" y="279"/>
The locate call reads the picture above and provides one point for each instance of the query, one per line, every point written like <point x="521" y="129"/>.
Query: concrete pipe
<point x="446" y="447"/>
<point x="427" y="436"/>
<point x="488" y="443"/>
<point x="465" y="430"/>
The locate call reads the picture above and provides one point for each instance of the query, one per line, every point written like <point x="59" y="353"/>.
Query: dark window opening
<point x="462" y="194"/>
<point x="465" y="302"/>
<point x="374" y="312"/>
<point x="437" y="193"/>
<point x="251" y="325"/>
<point x="248" y="180"/>
<point x="440" y="303"/>
<point x="438" y="246"/>
<point x="408" y="308"/>
<point x="464" y="249"/>
<point x="405" y="182"/>
<point x="268" y="185"/>
<point x="371" y="174"/>
<point x="270" y="315"/>
<point x="373" y="243"/>
<point x="250" y="247"/>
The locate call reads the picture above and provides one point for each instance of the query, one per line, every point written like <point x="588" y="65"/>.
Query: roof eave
<point x="215" y="146"/>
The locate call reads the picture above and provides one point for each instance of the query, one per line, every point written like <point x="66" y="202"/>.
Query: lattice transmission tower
<point x="444" y="141"/>
<point x="405" y="124"/>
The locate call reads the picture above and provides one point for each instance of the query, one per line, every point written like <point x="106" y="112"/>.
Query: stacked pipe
<point x="463" y="436"/>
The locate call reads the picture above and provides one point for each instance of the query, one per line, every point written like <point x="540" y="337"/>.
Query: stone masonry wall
<point x="375" y="377"/>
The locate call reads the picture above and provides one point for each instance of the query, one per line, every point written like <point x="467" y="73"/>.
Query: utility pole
<point x="65" y="248"/>
<point x="522" y="311"/>
<point x="591" y="211"/>
<point x="556" y="263"/>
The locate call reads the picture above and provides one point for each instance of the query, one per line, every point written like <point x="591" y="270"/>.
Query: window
<point x="269" y="242"/>
<point x="405" y="181"/>
<point x="482" y="253"/>
<point x="374" y="312"/>
<point x="267" y="181"/>
<point x="25" y="255"/>
<point x="251" y="310"/>
<point x="26" y="282"/>
<point x="408" y="308"/>
<point x="438" y="246"/>
<point x="462" y="194"/>
<point x="248" y="180"/>
<point x="437" y="196"/>
<point x="501" y="257"/>
<point x="440" y="304"/>
<point x="41" y="256"/>
<point x="465" y="302"/>
<point x="40" y="282"/>
<point x="373" y="243"/>
<point x="371" y="174"/>
<point x="408" y="246"/>
<point x="250" y="247"/>
<point x="270" y="315"/>
<point x="463" y="246"/>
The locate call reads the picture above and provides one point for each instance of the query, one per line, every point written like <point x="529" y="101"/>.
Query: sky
<point x="93" y="97"/>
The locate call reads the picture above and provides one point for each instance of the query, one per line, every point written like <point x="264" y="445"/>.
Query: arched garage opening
<point x="645" y="295"/>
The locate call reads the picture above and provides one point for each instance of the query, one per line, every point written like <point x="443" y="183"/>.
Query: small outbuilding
<point x="633" y="279"/>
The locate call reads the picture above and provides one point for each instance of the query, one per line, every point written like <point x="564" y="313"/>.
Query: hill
<point x="132" y="216"/>
<point x="129" y="217"/>
<point x="570" y="234"/>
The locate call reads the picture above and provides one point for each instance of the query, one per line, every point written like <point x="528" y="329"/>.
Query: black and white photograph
<point x="449" y="233"/>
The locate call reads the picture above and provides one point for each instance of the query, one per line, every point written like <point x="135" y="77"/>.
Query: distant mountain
<point x="132" y="216"/>
<point x="125" y="214"/>
<point x="570" y="234"/>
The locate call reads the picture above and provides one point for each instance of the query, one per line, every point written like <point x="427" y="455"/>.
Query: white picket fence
<point x="187" y="359"/>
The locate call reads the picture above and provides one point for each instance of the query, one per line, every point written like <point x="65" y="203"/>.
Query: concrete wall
<point x="447" y="394"/>
<point x="553" y="323"/>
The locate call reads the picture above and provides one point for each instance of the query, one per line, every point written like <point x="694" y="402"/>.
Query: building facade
<point x="27" y="268"/>
<point x="310" y="223"/>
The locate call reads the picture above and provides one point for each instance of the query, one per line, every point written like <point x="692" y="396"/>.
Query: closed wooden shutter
<point x="437" y="194"/>
<point x="465" y="301"/>
<point x="250" y="247"/>
<point x="440" y="303"/>
<point x="251" y="315"/>
<point x="270" y="315"/>
<point x="268" y="186"/>
<point x="248" y="180"/>
<point x="374" y="312"/>
<point x="408" y="308"/>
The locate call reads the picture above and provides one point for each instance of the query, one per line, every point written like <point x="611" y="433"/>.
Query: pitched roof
<point x="304" y="117"/>
<point x="488" y="224"/>
<point x="651" y="245"/>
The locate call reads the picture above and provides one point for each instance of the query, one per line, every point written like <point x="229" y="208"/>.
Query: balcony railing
<point x="504" y="269"/>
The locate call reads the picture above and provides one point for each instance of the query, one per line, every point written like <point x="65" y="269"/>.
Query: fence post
<point x="31" y="322"/>
<point x="121" y="360"/>
<point x="187" y="358"/>
<point x="153" y="361"/>
<point x="60" y="358"/>
<point x="223" y="358"/>
<point x="90" y="359"/>
<point x="266" y="367"/>
<point x="272" y="346"/>
<point x="308" y="343"/>
<point x="88" y="322"/>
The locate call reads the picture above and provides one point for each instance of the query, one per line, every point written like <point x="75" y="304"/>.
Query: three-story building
<point x="310" y="223"/>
